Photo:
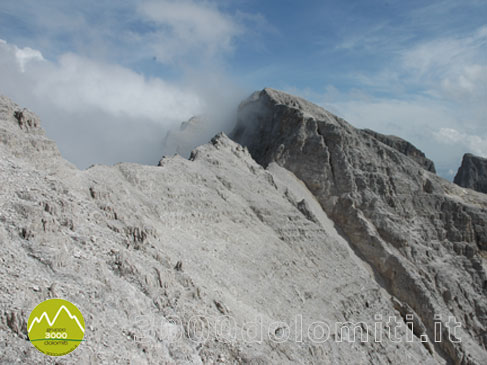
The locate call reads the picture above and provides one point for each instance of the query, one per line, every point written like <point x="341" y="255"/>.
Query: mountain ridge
<point x="362" y="184"/>
<point x="221" y="236"/>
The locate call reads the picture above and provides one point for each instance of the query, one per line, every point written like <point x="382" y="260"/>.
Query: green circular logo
<point x="56" y="327"/>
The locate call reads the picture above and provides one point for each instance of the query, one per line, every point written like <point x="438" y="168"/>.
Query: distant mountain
<point x="472" y="173"/>
<point x="184" y="139"/>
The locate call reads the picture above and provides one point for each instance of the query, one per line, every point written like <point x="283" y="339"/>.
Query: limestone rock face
<point x="217" y="259"/>
<point x="472" y="173"/>
<point x="202" y="261"/>
<point x="424" y="237"/>
<point x="405" y="148"/>
<point x="22" y="135"/>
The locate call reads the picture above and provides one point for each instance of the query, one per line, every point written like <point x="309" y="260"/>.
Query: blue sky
<point x="109" y="78"/>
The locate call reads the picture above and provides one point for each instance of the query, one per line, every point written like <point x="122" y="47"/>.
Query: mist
<point x="102" y="113"/>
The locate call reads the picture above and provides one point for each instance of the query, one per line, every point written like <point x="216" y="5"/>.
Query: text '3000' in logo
<point x="56" y="327"/>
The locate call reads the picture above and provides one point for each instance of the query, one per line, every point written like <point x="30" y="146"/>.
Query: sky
<point x="110" y="78"/>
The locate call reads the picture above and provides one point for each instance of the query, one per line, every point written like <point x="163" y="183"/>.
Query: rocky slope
<point x="425" y="238"/>
<point x="472" y="173"/>
<point x="405" y="148"/>
<point x="158" y="259"/>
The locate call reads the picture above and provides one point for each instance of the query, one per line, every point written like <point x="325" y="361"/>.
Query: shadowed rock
<point x="425" y="239"/>
<point x="472" y="173"/>
<point x="405" y="148"/>
<point x="339" y="227"/>
<point x="146" y="252"/>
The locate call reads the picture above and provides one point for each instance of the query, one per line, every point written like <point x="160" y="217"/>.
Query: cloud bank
<point x="96" y="111"/>
<point x="93" y="103"/>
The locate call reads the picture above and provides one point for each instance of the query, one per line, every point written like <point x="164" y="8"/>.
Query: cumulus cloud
<point x="25" y="55"/>
<point x="469" y="84"/>
<point x="452" y="66"/>
<point x="96" y="112"/>
<point x="187" y="26"/>
<point x="76" y="83"/>
<point x="83" y="83"/>
<point x="472" y="143"/>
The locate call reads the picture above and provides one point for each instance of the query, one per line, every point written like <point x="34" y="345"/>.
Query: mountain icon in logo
<point x="51" y="324"/>
<point x="56" y="327"/>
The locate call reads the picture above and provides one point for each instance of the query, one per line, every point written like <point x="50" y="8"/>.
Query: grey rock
<point x="405" y="148"/>
<point x="424" y="238"/>
<point x="339" y="227"/>
<point x="254" y="245"/>
<point x="472" y="173"/>
<point x="20" y="122"/>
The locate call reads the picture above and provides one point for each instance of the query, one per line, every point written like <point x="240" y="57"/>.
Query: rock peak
<point x="472" y="173"/>
<point x="381" y="193"/>
<point x="339" y="223"/>
<point x="275" y="97"/>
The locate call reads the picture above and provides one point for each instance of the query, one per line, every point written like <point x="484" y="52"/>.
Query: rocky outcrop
<point x="217" y="259"/>
<point x="472" y="173"/>
<point x="424" y="238"/>
<point x="22" y="135"/>
<point x="209" y="260"/>
<point x="405" y="148"/>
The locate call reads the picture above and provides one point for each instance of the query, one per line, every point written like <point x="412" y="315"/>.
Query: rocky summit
<point x="472" y="173"/>
<point x="301" y="241"/>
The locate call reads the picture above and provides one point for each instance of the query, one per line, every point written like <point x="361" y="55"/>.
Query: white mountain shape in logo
<point x="51" y="323"/>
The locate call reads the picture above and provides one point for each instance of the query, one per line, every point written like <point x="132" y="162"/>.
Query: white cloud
<point x="91" y="102"/>
<point x="472" y="143"/>
<point x="186" y="26"/>
<point x="76" y="83"/>
<point x="450" y="67"/>
<point x="25" y="55"/>
<point x="96" y="112"/>
<point x="187" y="32"/>
<point x="468" y="84"/>
<point x="411" y="117"/>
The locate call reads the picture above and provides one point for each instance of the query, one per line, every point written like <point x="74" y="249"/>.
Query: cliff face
<point x="425" y="238"/>
<point x="216" y="259"/>
<point x="405" y="148"/>
<point x="472" y="173"/>
<point x="146" y="251"/>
